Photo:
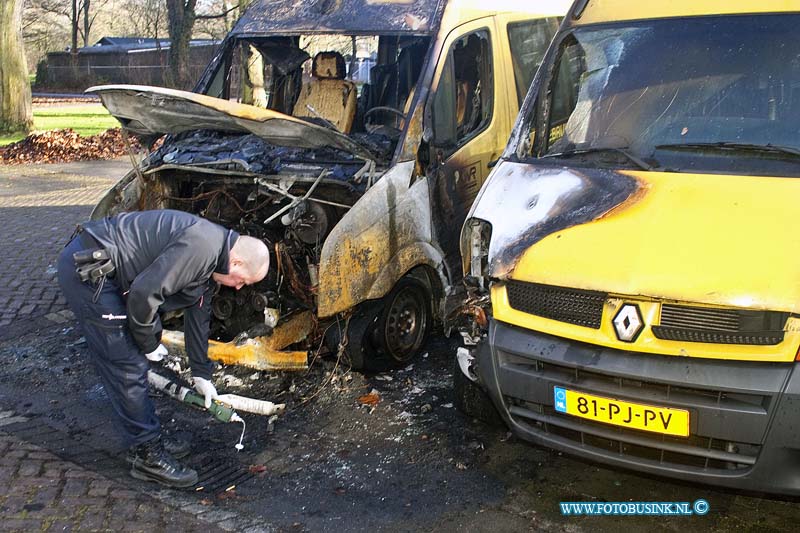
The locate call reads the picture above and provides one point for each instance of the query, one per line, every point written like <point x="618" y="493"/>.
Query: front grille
<point x="575" y="306"/>
<point x="678" y="316"/>
<point x="720" y="326"/>
<point x="764" y="338"/>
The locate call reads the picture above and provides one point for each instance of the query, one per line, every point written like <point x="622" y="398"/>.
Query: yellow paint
<point x="295" y="329"/>
<point x="260" y="353"/>
<point x="458" y="12"/>
<point x="714" y="239"/>
<point x="617" y="10"/>
<point x="722" y="241"/>
<point x="645" y="342"/>
<point x="612" y="411"/>
<point x="366" y="247"/>
<point x="340" y="288"/>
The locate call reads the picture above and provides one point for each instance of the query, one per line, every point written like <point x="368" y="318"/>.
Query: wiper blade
<point x="733" y="146"/>
<point x="597" y="149"/>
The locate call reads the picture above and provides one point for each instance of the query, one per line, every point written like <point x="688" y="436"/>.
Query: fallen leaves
<point x="370" y="399"/>
<point x="60" y="100"/>
<point x="257" y="469"/>
<point x="64" y="146"/>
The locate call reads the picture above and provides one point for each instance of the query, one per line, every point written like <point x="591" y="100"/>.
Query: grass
<point x="85" y="119"/>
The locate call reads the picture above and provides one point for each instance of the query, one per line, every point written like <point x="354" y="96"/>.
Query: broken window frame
<point x="485" y="73"/>
<point x="524" y="71"/>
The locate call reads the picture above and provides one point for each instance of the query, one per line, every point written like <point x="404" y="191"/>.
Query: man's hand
<point x="158" y="354"/>
<point x="207" y="389"/>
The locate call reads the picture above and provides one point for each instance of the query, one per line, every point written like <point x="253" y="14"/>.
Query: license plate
<point x="664" y="420"/>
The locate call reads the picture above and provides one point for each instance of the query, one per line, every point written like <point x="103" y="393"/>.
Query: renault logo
<point x="628" y="323"/>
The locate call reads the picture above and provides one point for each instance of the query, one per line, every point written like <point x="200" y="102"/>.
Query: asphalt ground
<point x="410" y="462"/>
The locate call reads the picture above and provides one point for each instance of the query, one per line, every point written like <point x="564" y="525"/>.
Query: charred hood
<point x="154" y="111"/>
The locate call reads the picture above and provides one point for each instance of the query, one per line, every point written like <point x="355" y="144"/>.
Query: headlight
<point x="475" y="238"/>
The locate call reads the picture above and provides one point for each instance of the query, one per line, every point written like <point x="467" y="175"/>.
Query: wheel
<point x="405" y="322"/>
<point x="472" y="400"/>
<point x="388" y="333"/>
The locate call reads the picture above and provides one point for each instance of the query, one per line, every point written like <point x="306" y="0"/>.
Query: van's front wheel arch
<point x="389" y="332"/>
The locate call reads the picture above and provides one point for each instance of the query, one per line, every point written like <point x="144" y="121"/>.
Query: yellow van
<point x="352" y="136"/>
<point x="630" y="257"/>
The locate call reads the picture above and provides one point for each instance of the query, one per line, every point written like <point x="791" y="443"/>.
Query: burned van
<point x="352" y="137"/>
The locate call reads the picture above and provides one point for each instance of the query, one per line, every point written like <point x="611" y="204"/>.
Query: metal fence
<point x="139" y="67"/>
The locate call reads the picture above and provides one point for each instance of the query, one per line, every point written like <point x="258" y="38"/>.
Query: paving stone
<point x="37" y="495"/>
<point x="124" y="494"/>
<point x="75" y="487"/>
<point x="73" y="473"/>
<point x="228" y="525"/>
<point x="62" y="526"/>
<point x="93" y="520"/>
<point x="217" y="515"/>
<point x="30" y="248"/>
<point x="22" y="524"/>
<point x="57" y="318"/>
<point x="258" y="529"/>
<point x="29" y="468"/>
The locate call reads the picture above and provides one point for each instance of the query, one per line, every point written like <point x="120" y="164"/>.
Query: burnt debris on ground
<point x="331" y="450"/>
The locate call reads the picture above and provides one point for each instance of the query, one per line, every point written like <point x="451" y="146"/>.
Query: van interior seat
<point x="329" y="95"/>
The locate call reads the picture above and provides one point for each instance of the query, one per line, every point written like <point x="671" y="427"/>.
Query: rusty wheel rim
<point x="406" y="322"/>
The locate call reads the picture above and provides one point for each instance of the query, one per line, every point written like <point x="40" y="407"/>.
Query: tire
<point x="405" y="322"/>
<point x="472" y="400"/>
<point x="390" y="332"/>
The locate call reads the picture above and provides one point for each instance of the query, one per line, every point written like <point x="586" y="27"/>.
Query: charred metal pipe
<point x="296" y="201"/>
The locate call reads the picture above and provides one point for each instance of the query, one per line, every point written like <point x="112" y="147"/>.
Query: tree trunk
<point x="181" y="15"/>
<point x="73" y="51"/>
<point x="87" y="25"/>
<point x="15" y="87"/>
<point x="74" y="27"/>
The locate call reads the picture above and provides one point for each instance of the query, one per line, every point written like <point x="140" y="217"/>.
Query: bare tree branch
<point x="218" y="15"/>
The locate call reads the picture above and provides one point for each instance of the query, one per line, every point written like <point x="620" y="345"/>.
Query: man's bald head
<point x="248" y="263"/>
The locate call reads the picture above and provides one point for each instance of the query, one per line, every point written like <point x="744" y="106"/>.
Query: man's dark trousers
<point x="119" y="362"/>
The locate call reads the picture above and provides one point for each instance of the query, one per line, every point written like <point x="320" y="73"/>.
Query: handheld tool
<point x="221" y="412"/>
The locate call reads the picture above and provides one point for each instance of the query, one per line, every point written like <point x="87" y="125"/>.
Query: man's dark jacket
<point x="164" y="260"/>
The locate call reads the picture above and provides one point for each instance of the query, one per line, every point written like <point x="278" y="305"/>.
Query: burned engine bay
<point x="290" y="198"/>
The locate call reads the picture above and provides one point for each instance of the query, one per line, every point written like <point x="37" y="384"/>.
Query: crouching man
<point x="117" y="274"/>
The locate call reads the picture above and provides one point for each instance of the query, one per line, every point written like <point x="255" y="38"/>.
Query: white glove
<point x="158" y="354"/>
<point x="207" y="389"/>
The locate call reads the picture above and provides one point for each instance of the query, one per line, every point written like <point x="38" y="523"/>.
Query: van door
<point x="471" y="121"/>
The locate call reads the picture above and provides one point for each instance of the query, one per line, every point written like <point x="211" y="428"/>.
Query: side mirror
<point x="443" y="108"/>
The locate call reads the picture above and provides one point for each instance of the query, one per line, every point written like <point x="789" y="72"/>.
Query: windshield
<point x="715" y="94"/>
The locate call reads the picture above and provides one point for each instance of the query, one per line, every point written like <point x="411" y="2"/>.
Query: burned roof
<point x="340" y="16"/>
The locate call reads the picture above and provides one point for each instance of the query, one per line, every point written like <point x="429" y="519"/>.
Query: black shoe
<point x="151" y="462"/>
<point x="175" y="446"/>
